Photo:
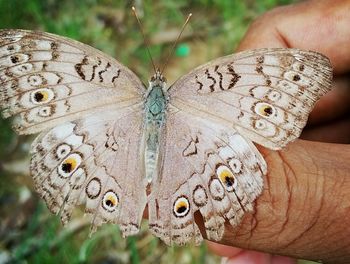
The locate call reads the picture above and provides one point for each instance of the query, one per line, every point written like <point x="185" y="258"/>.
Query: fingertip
<point x="223" y="250"/>
<point x="250" y="257"/>
<point x="262" y="33"/>
<point x="256" y="40"/>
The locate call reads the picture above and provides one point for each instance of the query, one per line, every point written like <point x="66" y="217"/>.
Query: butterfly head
<point x="158" y="79"/>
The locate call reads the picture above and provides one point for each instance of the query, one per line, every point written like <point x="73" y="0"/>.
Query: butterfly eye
<point x="110" y="201"/>
<point x="69" y="165"/>
<point x="181" y="207"/>
<point x="264" y="109"/>
<point x="41" y="96"/>
<point x="226" y="177"/>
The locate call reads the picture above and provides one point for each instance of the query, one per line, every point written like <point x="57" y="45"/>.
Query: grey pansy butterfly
<point x="109" y="143"/>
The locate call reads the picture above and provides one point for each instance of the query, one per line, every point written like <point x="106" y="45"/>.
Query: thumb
<point x="304" y="209"/>
<point x="321" y="26"/>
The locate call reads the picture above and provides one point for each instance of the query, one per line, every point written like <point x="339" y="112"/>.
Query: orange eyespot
<point x="69" y="165"/>
<point x="264" y="109"/>
<point x="41" y="96"/>
<point x="226" y="177"/>
<point x="110" y="201"/>
<point x="181" y="207"/>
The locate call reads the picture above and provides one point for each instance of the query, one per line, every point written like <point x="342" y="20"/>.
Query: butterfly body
<point x="155" y="118"/>
<point x="104" y="137"/>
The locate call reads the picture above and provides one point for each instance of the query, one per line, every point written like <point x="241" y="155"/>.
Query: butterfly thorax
<point x="155" y="111"/>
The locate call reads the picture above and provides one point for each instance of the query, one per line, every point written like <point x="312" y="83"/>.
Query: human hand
<point x="304" y="211"/>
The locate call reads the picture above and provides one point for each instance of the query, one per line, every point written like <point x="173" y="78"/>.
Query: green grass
<point x="29" y="233"/>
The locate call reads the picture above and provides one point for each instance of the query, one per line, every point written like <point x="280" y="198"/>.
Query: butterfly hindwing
<point x="264" y="94"/>
<point x="206" y="168"/>
<point x="93" y="161"/>
<point x="47" y="80"/>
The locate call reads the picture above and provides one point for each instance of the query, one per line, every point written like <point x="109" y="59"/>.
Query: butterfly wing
<point x="209" y="163"/>
<point x="207" y="168"/>
<point x="47" y="80"/>
<point x="93" y="161"/>
<point x="94" y="104"/>
<point x="265" y="94"/>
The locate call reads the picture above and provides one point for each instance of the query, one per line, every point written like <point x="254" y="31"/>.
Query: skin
<point x="304" y="211"/>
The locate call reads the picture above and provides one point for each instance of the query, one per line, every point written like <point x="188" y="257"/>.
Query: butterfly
<point x="110" y="143"/>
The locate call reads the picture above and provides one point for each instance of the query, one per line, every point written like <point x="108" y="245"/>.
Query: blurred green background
<point x="29" y="233"/>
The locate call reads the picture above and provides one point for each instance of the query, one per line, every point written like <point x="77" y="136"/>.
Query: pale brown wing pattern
<point x="90" y="109"/>
<point x="207" y="168"/>
<point x="264" y="94"/>
<point x="94" y="161"/>
<point x="47" y="80"/>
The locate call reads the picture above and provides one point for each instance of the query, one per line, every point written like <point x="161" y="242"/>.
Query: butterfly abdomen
<point x="155" y="110"/>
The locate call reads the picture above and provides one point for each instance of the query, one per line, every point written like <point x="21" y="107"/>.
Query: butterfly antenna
<point x="177" y="39"/>
<point x="144" y="38"/>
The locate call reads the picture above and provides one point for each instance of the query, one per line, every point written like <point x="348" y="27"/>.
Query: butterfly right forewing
<point x="266" y="94"/>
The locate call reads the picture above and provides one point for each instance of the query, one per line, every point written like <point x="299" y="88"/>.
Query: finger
<point x="283" y="260"/>
<point x="334" y="104"/>
<point x="254" y="257"/>
<point x="333" y="132"/>
<point x="250" y="257"/>
<point x="303" y="211"/>
<point x="223" y="250"/>
<point x="312" y="25"/>
<point x="237" y="255"/>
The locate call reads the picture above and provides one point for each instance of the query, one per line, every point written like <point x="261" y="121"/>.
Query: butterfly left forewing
<point x="207" y="168"/>
<point x="265" y="94"/>
<point x="47" y="80"/>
